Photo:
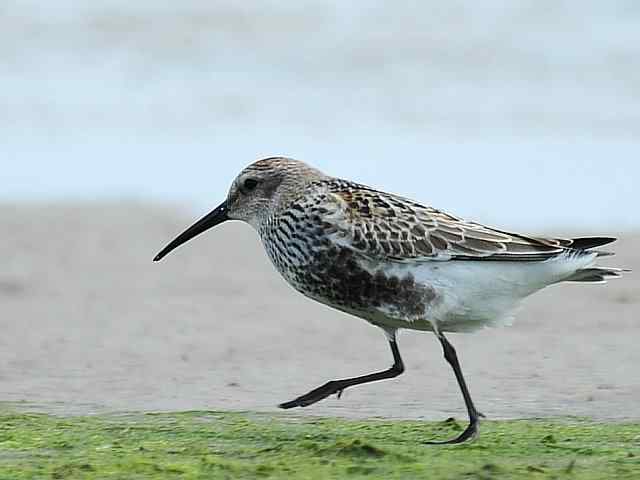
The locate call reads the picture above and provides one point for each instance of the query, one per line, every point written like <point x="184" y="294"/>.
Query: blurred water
<point x="522" y="114"/>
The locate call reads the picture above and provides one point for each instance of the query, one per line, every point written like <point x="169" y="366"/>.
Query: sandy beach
<point x="92" y="324"/>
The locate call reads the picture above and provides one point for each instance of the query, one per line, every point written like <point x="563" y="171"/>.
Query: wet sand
<point x="90" y="324"/>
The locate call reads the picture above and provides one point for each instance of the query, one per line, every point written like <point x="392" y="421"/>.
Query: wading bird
<point x="394" y="262"/>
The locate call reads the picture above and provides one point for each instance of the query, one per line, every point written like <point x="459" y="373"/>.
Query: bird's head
<point x="258" y="191"/>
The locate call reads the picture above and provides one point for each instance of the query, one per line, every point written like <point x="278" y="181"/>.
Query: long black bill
<point x="214" y="218"/>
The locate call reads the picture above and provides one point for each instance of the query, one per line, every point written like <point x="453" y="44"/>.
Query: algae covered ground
<point x="212" y="445"/>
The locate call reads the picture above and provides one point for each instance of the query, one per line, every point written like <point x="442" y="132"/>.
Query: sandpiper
<point x="394" y="262"/>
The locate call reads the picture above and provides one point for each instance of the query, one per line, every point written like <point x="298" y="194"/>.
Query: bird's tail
<point x="589" y="243"/>
<point x="596" y="274"/>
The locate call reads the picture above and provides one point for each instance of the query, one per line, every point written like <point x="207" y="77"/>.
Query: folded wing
<point x="385" y="226"/>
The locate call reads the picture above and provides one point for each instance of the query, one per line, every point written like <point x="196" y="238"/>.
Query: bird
<point x="394" y="262"/>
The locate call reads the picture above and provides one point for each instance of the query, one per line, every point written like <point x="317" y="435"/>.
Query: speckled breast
<point x="334" y="275"/>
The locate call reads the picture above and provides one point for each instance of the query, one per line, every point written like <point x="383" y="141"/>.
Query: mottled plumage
<point x="392" y="261"/>
<point x="359" y="250"/>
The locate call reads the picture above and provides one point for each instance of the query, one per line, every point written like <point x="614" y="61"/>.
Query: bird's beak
<point x="214" y="218"/>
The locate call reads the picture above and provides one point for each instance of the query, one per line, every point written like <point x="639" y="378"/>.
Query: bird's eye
<point x="250" y="184"/>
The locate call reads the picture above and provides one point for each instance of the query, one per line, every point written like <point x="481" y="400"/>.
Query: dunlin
<point x="394" y="262"/>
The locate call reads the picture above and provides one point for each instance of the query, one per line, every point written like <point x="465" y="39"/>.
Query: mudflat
<point x="90" y="324"/>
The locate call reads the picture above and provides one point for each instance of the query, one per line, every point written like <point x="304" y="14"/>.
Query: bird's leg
<point x="338" y="386"/>
<point x="472" y="429"/>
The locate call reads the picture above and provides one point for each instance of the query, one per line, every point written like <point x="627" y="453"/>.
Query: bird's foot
<point x="315" y="395"/>
<point x="469" y="434"/>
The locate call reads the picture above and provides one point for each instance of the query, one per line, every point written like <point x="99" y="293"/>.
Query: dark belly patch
<point x="335" y="276"/>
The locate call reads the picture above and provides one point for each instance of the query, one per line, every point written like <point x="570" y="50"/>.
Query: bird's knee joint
<point x="450" y="353"/>
<point x="398" y="368"/>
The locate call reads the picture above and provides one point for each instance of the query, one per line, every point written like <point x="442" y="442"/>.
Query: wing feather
<point x="385" y="226"/>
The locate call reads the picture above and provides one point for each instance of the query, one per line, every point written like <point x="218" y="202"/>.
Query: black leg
<point x="472" y="429"/>
<point x="337" y="386"/>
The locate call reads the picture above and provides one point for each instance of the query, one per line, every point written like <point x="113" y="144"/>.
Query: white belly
<point x="471" y="295"/>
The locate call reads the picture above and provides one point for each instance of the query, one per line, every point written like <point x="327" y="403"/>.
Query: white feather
<point x="470" y="295"/>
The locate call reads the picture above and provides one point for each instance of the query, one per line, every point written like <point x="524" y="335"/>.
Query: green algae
<point x="212" y="445"/>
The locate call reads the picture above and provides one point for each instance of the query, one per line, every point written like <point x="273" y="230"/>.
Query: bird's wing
<point x="384" y="226"/>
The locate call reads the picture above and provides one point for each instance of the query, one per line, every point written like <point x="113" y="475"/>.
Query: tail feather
<point x="596" y="274"/>
<point x="587" y="243"/>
